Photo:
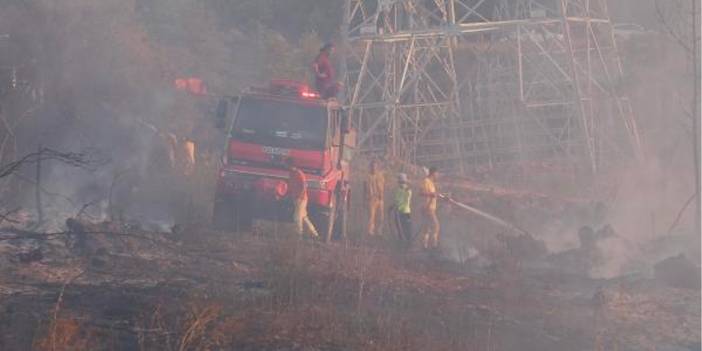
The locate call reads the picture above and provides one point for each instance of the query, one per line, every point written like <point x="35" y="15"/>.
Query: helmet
<point x="402" y="178"/>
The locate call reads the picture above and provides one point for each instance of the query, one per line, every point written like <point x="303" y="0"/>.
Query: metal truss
<point x="464" y="83"/>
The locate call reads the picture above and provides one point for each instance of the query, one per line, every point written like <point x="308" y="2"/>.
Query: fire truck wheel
<point x="243" y="222"/>
<point x="329" y="229"/>
<point x="222" y="215"/>
<point x="229" y="214"/>
<point x="321" y="220"/>
<point x="332" y="223"/>
<point x="342" y="214"/>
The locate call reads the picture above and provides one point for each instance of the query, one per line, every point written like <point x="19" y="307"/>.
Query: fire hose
<point x="483" y="214"/>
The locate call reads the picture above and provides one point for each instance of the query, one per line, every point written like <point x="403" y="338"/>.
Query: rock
<point x="30" y="256"/>
<point x="678" y="272"/>
<point x="98" y="262"/>
<point x="77" y="235"/>
<point x="524" y="246"/>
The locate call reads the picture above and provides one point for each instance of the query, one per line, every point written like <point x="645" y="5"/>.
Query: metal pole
<point x="576" y="86"/>
<point x="696" y="112"/>
<point x="520" y="63"/>
<point x="345" y="46"/>
<point x="37" y="193"/>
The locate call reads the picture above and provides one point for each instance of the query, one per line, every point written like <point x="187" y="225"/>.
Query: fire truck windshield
<point x="281" y="124"/>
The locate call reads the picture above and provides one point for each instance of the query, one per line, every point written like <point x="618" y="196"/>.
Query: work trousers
<point x="430" y="228"/>
<point x="403" y="222"/>
<point x="327" y="89"/>
<point x="375" y="215"/>
<point x="301" y="220"/>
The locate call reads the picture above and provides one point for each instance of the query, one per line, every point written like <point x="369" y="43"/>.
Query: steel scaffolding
<point x="466" y="83"/>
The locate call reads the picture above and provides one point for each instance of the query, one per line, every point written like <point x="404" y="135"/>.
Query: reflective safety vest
<point x="403" y="198"/>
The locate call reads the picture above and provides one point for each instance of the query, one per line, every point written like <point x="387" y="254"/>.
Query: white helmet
<point x="402" y="178"/>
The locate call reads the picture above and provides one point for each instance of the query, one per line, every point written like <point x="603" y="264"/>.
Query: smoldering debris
<point x="251" y="273"/>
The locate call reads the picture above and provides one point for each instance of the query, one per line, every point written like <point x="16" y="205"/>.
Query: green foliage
<point x="291" y="18"/>
<point x="309" y="45"/>
<point x="286" y="60"/>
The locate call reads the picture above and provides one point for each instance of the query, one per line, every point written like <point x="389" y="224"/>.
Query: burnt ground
<point x="113" y="287"/>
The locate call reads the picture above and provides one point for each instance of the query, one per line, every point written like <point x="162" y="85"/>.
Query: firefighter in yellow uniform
<point x="430" y="221"/>
<point x="375" y="189"/>
<point x="297" y="190"/>
<point x="181" y="153"/>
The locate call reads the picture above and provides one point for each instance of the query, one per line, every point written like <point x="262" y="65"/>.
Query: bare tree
<point x="85" y="160"/>
<point x="681" y="23"/>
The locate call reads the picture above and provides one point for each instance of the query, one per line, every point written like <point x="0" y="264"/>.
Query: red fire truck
<point x="266" y="128"/>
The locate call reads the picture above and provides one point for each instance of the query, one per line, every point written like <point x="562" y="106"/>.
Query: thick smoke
<point x="105" y="72"/>
<point x="643" y="201"/>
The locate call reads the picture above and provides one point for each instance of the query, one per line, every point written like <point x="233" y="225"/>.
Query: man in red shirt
<point x="297" y="190"/>
<point x="324" y="75"/>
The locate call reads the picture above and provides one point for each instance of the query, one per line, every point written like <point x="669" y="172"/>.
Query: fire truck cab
<point x="269" y="127"/>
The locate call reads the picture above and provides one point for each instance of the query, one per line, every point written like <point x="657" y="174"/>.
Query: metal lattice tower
<point x="459" y="83"/>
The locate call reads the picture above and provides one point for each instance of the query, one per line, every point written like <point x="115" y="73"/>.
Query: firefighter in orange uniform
<point x="430" y="221"/>
<point x="375" y="190"/>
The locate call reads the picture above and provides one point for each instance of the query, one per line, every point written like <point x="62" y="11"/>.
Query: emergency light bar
<point x="286" y="87"/>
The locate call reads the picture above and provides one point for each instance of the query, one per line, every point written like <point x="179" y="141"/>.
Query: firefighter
<point x="172" y="141"/>
<point x="402" y="209"/>
<point x="188" y="150"/>
<point x="430" y="221"/>
<point x="181" y="153"/>
<point x="324" y="75"/>
<point x="375" y="188"/>
<point x="297" y="191"/>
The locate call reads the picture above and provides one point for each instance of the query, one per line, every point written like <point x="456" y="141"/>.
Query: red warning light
<point x="194" y="86"/>
<point x="285" y="87"/>
<point x="309" y="95"/>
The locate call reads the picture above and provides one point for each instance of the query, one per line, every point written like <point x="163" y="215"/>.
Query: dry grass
<point x="67" y="334"/>
<point x="299" y="295"/>
<point x="362" y="298"/>
<point x="199" y="325"/>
